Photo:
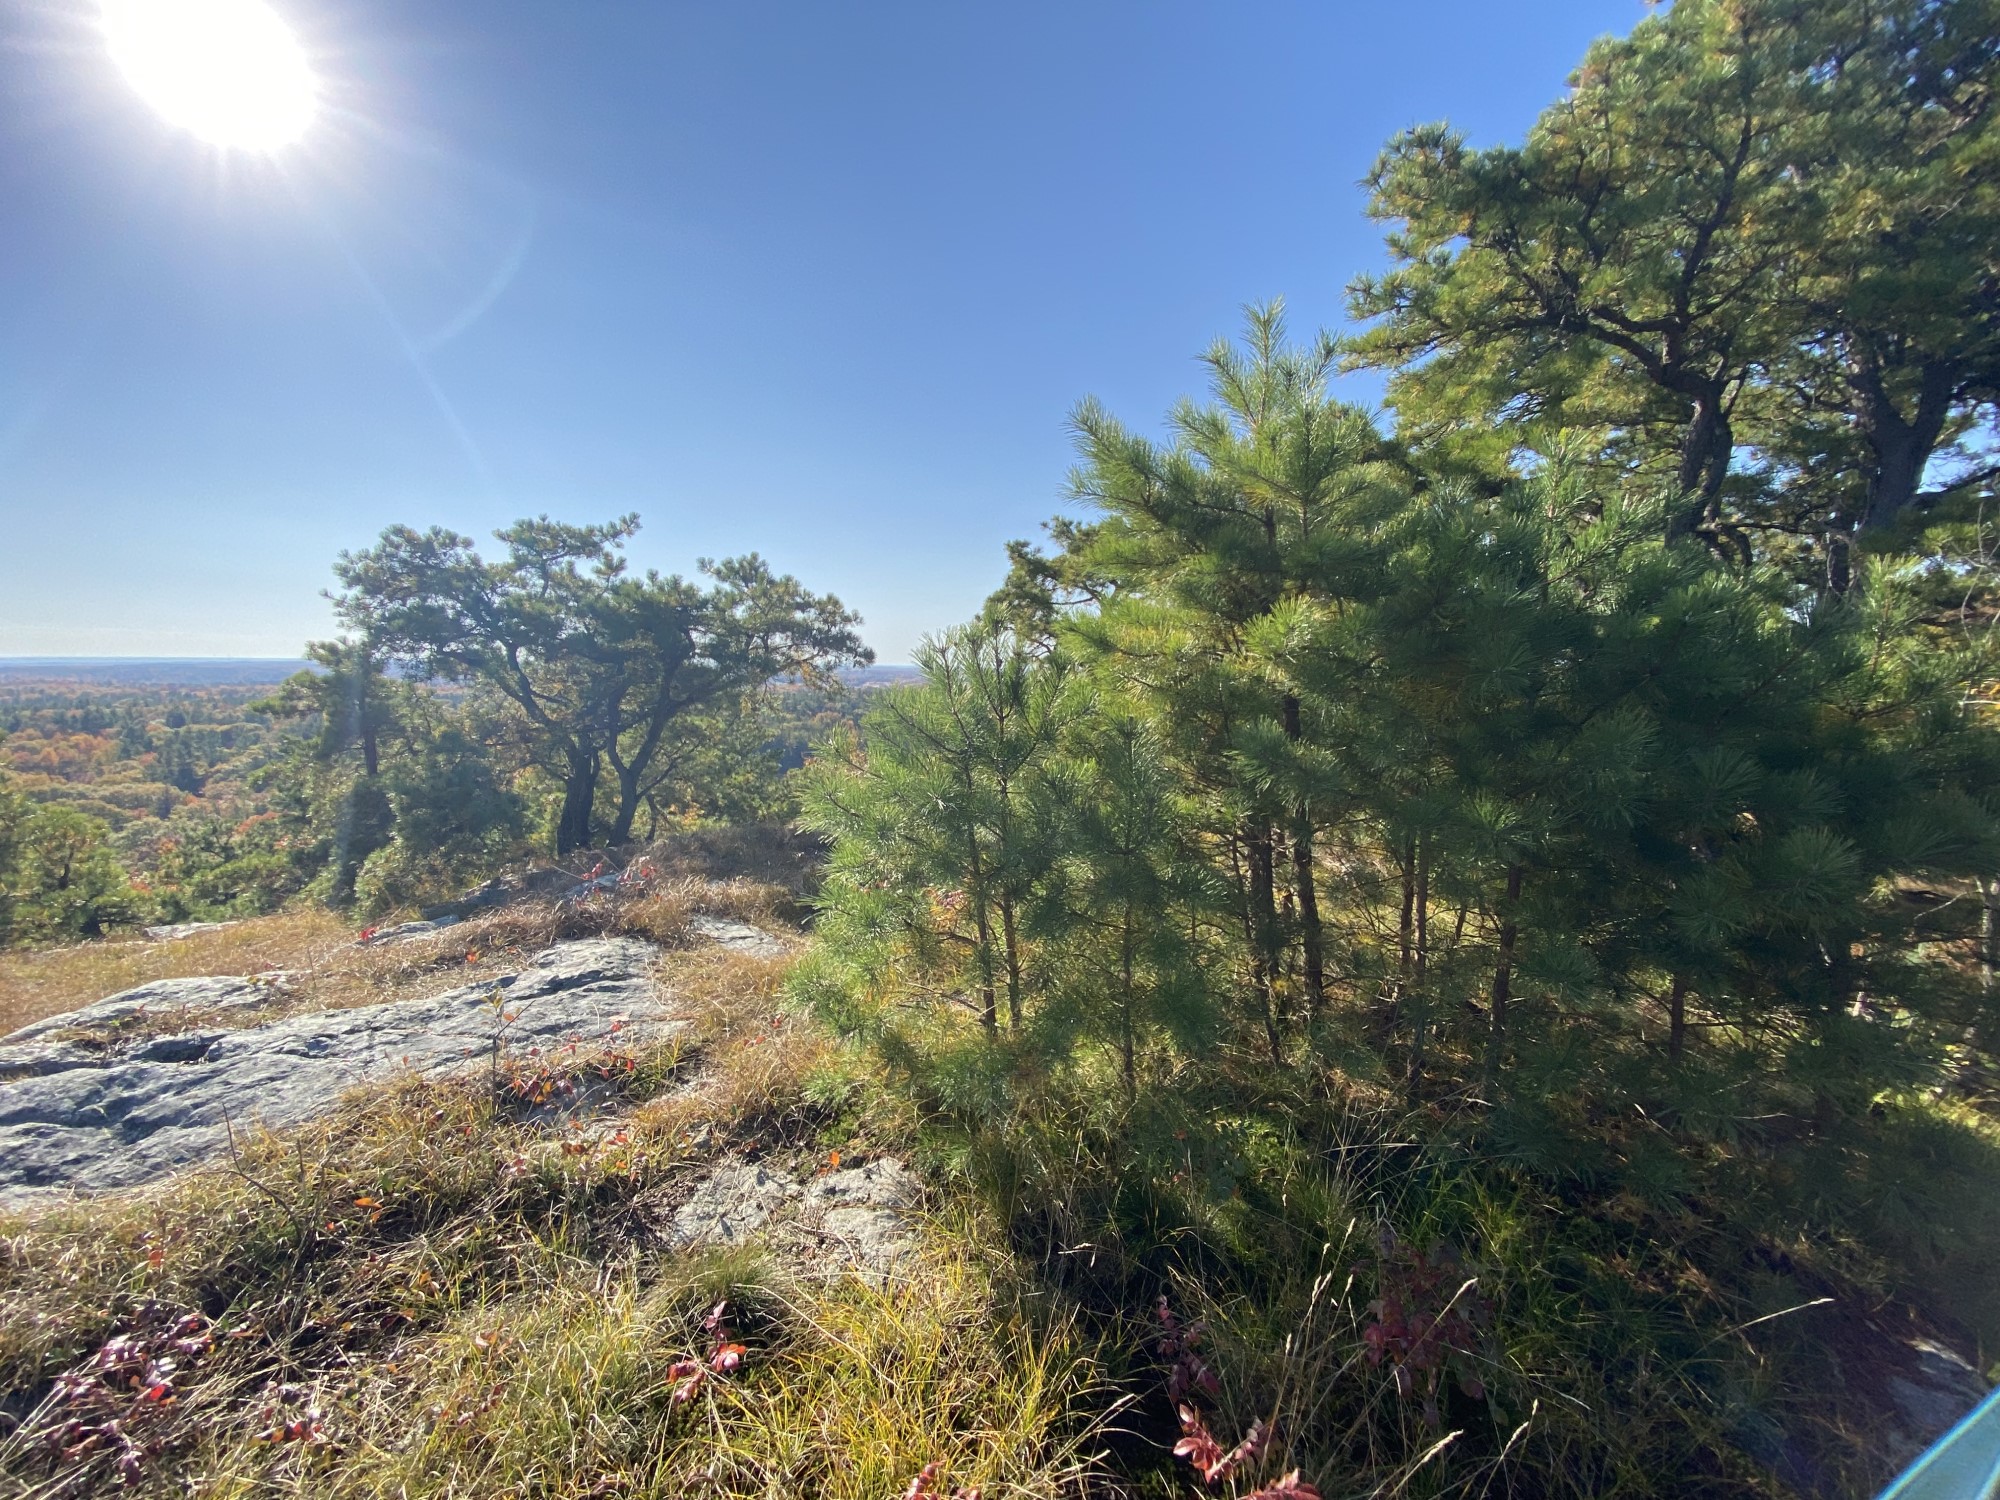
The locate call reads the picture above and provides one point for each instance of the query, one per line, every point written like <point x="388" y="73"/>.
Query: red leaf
<point x="688" y="1375"/>
<point x="1197" y="1445"/>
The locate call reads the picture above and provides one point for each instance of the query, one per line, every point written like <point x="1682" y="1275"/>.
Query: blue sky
<point x="816" y="280"/>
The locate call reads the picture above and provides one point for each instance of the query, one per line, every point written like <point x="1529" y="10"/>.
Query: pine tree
<point x="941" y="802"/>
<point x="1266" y="495"/>
<point x="1121" y="902"/>
<point x="352" y="709"/>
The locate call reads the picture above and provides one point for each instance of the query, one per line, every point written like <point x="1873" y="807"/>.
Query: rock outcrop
<point x="404" y="932"/>
<point x="163" y="998"/>
<point x="738" y="937"/>
<point x="173" y="932"/>
<point x="731" y="1204"/>
<point x="86" y="1038"/>
<point x="113" y="1119"/>
<point x="863" y="1213"/>
<point x="1936" y="1388"/>
<point x="90" y="1101"/>
<point x="856" y="1219"/>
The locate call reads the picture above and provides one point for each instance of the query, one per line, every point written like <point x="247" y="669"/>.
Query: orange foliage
<point x="68" y="757"/>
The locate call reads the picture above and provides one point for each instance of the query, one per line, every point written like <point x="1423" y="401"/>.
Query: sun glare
<point x="230" y="71"/>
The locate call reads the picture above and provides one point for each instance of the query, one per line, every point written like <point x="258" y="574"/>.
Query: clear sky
<point x="820" y="280"/>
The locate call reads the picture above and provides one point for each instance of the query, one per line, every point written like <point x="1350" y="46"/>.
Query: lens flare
<point x="229" y="71"/>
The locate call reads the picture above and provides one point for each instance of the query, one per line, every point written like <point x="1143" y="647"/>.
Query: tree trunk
<point x="1989" y="933"/>
<point x="1503" y="978"/>
<point x="1839" y="562"/>
<point x="989" y="1007"/>
<point x="1405" y="942"/>
<point x="1900" y="456"/>
<point x="1311" y="939"/>
<point x="1129" y="1040"/>
<point x="1420" y="970"/>
<point x="1009" y="931"/>
<point x="1011" y="937"/>
<point x="1263" y="924"/>
<point x="628" y="807"/>
<point x="1902" y="447"/>
<point x="579" y="795"/>
<point x="1677" y="1020"/>
<point x="1704" y="463"/>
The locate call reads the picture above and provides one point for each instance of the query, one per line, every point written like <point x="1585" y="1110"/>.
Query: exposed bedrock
<point x="93" y="1121"/>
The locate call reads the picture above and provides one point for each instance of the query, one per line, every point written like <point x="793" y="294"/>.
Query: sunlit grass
<point x="35" y="983"/>
<point x="464" y="1313"/>
<point x="326" y="970"/>
<point x="455" y="1306"/>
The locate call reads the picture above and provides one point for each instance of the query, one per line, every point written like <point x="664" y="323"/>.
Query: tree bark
<point x="579" y="795"/>
<point x="1312" y="942"/>
<point x="1677" y="1019"/>
<point x="1263" y="925"/>
<point x="1420" y="971"/>
<point x="1503" y="978"/>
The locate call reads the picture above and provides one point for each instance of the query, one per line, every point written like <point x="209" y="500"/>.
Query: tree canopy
<point x="1754" y="251"/>
<point x="602" y="667"/>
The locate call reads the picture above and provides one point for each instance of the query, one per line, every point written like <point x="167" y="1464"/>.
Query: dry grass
<point x="468" y="1305"/>
<point x="761" y="1073"/>
<point x="848" y="1392"/>
<point x="48" y="981"/>
<point x="773" y="854"/>
<point x="331" y="972"/>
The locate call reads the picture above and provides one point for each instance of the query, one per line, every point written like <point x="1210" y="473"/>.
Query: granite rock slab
<point x="138" y="1115"/>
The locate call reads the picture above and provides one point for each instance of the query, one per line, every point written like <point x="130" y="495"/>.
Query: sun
<point x="229" y="71"/>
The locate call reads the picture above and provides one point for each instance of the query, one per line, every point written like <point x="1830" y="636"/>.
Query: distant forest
<point x="163" y="790"/>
